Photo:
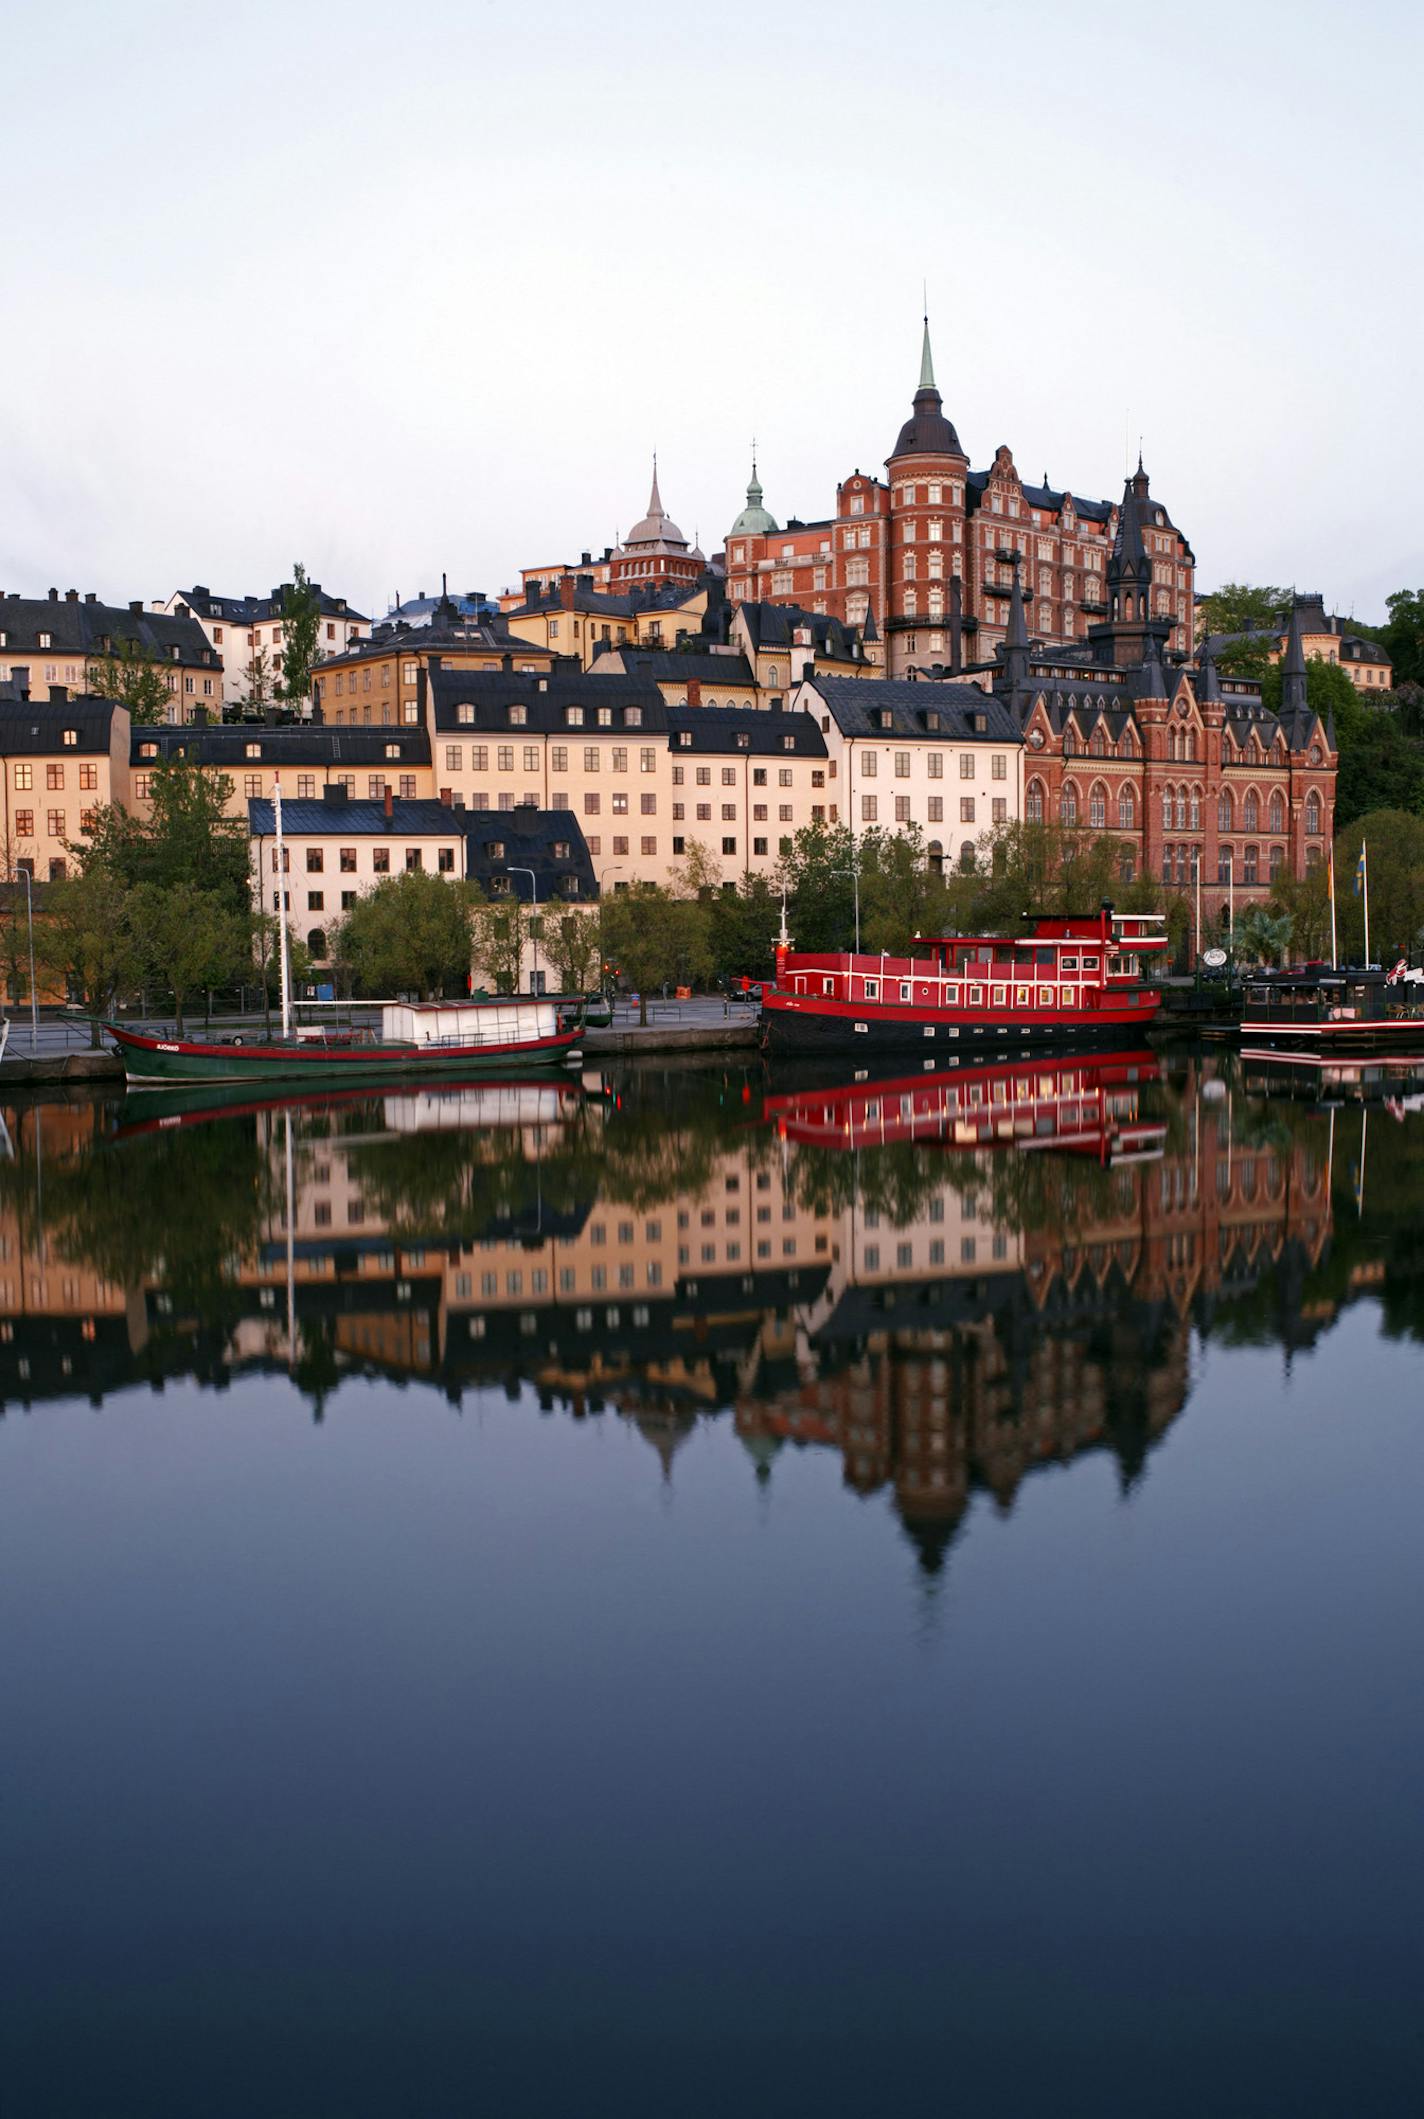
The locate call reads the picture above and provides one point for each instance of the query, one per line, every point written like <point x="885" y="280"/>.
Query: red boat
<point x="1073" y="980"/>
<point x="1088" y="1106"/>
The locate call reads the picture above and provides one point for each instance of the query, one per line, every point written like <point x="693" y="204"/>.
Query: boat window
<point x="951" y="996"/>
<point x="1090" y="963"/>
<point x="976" y="996"/>
<point x="1023" y="996"/>
<point x="1045" y="956"/>
<point x="1068" y="963"/>
<point x="1070" y="995"/>
<point x="904" y="989"/>
<point x="872" y="989"/>
<point x="828" y="985"/>
<point x="999" y="993"/>
<point x="1045" y="996"/>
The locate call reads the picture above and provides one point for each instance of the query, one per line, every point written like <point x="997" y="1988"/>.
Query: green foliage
<point x="88" y="937"/>
<point x="1395" y="858"/>
<point x="1236" y="607"/>
<point x="743" y="926"/>
<point x="1381" y="767"/>
<point x="1403" y="635"/>
<point x="187" y="940"/>
<point x="261" y="680"/>
<point x="301" y="627"/>
<point x="654" y="939"/>
<point x="133" y="679"/>
<point x="1263" y="936"/>
<point x="1305" y="902"/>
<point x="411" y="933"/>
<point x="188" y="838"/>
<point x="569" y="938"/>
<point x="817" y="877"/>
<point x="1328" y="690"/>
<point x="500" y="927"/>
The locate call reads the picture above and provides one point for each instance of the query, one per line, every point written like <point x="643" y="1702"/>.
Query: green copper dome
<point x="754" y="520"/>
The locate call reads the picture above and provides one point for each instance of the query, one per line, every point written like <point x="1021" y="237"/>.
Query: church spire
<point x="1294" y="693"/>
<point x="927" y="379"/>
<point x="655" y="499"/>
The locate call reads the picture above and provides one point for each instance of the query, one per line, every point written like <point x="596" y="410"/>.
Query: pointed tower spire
<point x="655" y="499"/>
<point x="1208" y="683"/>
<point x="927" y="379"/>
<point x="1294" y="692"/>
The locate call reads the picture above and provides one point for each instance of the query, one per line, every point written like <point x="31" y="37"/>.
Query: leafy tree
<point x="188" y="837"/>
<point x="1381" y="767"/>
<point x="901" y="896"/>
<point x="742" y="930"/>
<point x="654" y="939"/>
<point x="261" y="680"/>
<point x="301" y="627"/>
<point x="1406" y="702"/>
<point x="133" y="679"/>
<point x="1305" y="902"/>
<point x="188" y="940"/>
<point x="1403" y="635"/>
<point x="1045" y="868"/>
<point x="88" y="936"/>
<point x="1395" y="859"/>
<point x="1262" y="936"/>
<point x="1328" y="690"/>
<point x="818" y="880"/>
<point x="500" y="927"/>
<point x="412" y="932"/>
<point x="570" y="941"/>
<point x="1236" y="607"/>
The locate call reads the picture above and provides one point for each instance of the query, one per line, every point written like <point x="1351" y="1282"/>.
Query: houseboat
<point x="1334" y="1011"/>
<point x="437" y="1039"/>
<point x="1074" y="979"/>
<point x="1084" y="1106"/>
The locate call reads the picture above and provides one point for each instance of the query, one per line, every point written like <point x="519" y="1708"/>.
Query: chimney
<point x="389" y="805"/>
<point x="90" y="597"/>
<point x="334" y="791"/>
<point x="446" y="797"/>
<point x="566" y="592"/>
<point x="71" y="595"/>
<point x="694" y="691"/>
<point x="54" y="595"/>
<point x="58" y="694"/>
<point x="136" y="606"/>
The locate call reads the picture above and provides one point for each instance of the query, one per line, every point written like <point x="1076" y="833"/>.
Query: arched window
<point x="1223" y="811"/>
<point x="912" y="603"/>
<point x="1312" y="812"/>
<point x="1097" y="805"/>
<point x="934" y="854"/>
<point x="1278" y="855"/>
<point x="1166" y="809"/>
<point x="316" y="943"/>
<point x="966" y="856"/>
<point x="1070" y="743"/>
<point x="1250" y="811"/>
<point x="1068" y="804"/>
<point x="1126" y="867"/>
<point x="1181" y="809"/>
<point x="1278" y="811"/>
<point x="1196" y="809"/>
<point x="1098" y="746"/>
<point x="1181" y="866"/>
<point x="1249" y="865"/>
<point x="1223" y="865"/>
<point x="1033" y="802"/>
<point x="1126" y="810"/>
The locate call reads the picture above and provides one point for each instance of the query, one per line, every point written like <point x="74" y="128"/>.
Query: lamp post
<point x="534" y="901"/>
<point x="34" y="997"/>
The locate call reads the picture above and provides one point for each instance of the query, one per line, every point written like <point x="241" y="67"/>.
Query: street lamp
<point x="34" y="997"/>
<point x="533" y="932"/>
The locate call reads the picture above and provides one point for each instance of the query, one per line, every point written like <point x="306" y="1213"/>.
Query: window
<point x="407" y="787"/>
<point x="902" y="809"/>
<point x="346" y="860"/>
<point x="590" y="804"/>
<point x="315" y="901"/>
<point x="1068" y="805"/>
<point x="306" y="787"/>
<point x="966" y="765"/>
<point x="251" y="784"/>
<point x="649" y="847"/>
<point x="1097" y="806"/>
<point x="648" y="805"/>
<point x="518" y="716"/>
<point x="25" y="774"/>
<point x="413" y="859"/>
<point x="620" y="805"/>
<point x="592" y="757"/>
<point x="902" y="765"/>
<point x="1126" y="810"/>
<point x="966" y="809"/>
<point x="446" y="861"/>
<point x="647" y="759"/>
<point x="1224" y="810"/>
<point x="54" y="777"/>
<point x="870" y="765"/>
<point x="729" y="846"/>
<point x="381" y="860"/>
<point x="1312" y="812"/>
<point x="25" y="823"/>
<point x="504" y="757"/>
<point x="142" y="786"/>
<point x="315" y="860"/>
<point x="454" y="757"/>
<point x="998" y="767"/>
<point x="1277" y="816"/>
<point x="54" y="823"/>
<point x="867" y="809"/>
<point x="620" y="759"/>
<point x="729" y="812"/>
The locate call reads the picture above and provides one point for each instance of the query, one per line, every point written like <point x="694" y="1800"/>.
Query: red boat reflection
<point x="1090" y="1105"/>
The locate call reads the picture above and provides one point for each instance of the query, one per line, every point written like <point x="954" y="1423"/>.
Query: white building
<point x="243" y="627"/>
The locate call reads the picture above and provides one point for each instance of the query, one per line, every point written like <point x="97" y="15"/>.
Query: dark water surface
<point x="695" y="1596"/>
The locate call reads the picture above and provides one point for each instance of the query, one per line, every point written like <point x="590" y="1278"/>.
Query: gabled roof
<point x="954" y="713"/>
<point x="78" y="627"/>
<point x="254" y="610"/>
<point x="528" y="837"/>
<point x="676" y="665"/>
<point x="773" y="626"/>
<point x="545" y="700"/>
<point x="28" y="727"/>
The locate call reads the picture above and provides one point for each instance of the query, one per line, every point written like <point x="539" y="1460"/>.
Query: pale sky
<point x="393" y="290"/>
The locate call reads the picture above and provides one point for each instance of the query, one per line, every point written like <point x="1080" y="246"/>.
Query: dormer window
<point x="253" y="750"/>
<point x="148" y="750"/>
<point x="981" y="724"/>
<point x="46" y="640"/>
<point x="632" y="717"/>
<point x="605" y="717"/>
<point x="495" y="849"/>
<point x="744" y="741"/>
<point x="561" y="849"/>
<point x="683" y="739"/>
<point x="71" y="739"/>
<point x="393" y="750"/>
<point x="573" y="716"/>
<point x="788" y="743"/>
<point x="884" y="718"/>
<point x="932" y="718"/>
<point x="176" y="654"/>
<point x="465" y="714"/>
<point x="518" y="716"/>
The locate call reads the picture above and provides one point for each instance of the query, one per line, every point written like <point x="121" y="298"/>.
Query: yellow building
<point x="59" y="763"/>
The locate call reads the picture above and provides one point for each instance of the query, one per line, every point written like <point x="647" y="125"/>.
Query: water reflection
<point x="949" y="1280"/>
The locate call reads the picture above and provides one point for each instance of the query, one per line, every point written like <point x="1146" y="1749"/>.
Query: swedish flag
<point x="1360" y="871"/>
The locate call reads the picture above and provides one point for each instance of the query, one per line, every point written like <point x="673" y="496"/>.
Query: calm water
<point x="699" y="1595"/>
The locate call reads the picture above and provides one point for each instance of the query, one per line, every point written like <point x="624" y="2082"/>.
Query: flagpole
<point x="282" y="907"/>
<point x="1334" y="950"/>
<point x="1365" y="886"/>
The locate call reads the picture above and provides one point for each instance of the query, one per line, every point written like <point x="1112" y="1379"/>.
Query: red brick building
<point x="930" y="551"/>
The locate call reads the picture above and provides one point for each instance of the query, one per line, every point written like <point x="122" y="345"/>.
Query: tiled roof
<point x="1049" y="498"/>
<point x="361" y="819"/>
<point x="79" y="627"/>
<point x="965" y="714"/>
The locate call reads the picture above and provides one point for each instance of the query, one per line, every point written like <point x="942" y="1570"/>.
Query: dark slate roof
<point x="314" y="744"/>
<point x="731" y="728"/>
<point x="528" y="836"/>
<point x="78" y="627"/>
<point x="491" y="637"/>
<point x="774" y="626"/>
<point x="1049" y="498"/>
<point x="254" y="610"/>
<point x="854" y="702"/>
<point x="361" y="819"/>
<point x="28" y="727"/>
<point x="545" y="701"/>
<point x="926" y="432"/>
<point x="677" y="665"/>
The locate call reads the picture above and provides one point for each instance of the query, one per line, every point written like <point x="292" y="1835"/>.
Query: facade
<point x="381" y="683"/>
<point x="336" y="848"/>
<point x="929" y="551"/>
<point x="240" y="628"/>
<point x="943" y="758"/>
<point x="688" y="677"/>
<point x="1328" y="636"/>
<point x="59" y="641"/>
<point x="368" y="763"/>
<point x="58" y="764"/>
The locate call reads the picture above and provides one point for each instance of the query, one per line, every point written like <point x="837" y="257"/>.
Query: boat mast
<point x="282" y="907"/>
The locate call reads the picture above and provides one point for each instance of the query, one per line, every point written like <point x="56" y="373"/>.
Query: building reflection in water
<point x="949" y="1279"/>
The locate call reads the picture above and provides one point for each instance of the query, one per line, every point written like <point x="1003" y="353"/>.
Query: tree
<point x="133" y="679"/>
<point x="1045" y="868"/>
<point x="1305" y="902"/>
<point x="500" y="928"/>
<point x="411" y="932"/>
<point x="654" y="939"/>
<point x="1262" y="936"/>
<point x="1237" y="608"/>
<point x="817" y="878"/>
<point x="187" y="940"/>
<point x="1328" y="690"/>
<point x="187" y="838"/>
<point x="88" y="936"/>
<point x="261" y="680"/>
<point x="1403" y="635"/>
<point x="1381" y="767"/>
<point x="301" y="626"/>
<point x="1395" y="860"/>
<point x="742" y="927"/>
<point x="571" y="945"/>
